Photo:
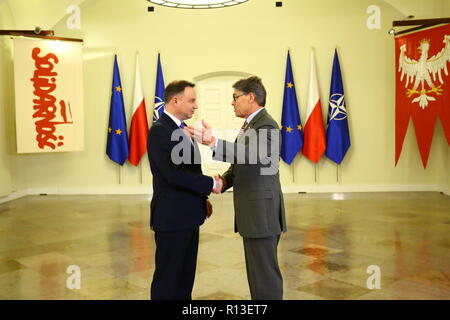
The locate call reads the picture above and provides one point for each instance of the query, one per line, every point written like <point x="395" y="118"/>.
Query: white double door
<point x="214" y="96"/>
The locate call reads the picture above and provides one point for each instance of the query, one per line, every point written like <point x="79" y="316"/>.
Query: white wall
<point x="419" y="9"/>
<point x="7" y="136"/>
<point x="253" y="38"/>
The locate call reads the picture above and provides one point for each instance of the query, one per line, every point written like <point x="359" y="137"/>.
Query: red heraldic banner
<point x="48" y="80"/>
<point x="422" y="86"/>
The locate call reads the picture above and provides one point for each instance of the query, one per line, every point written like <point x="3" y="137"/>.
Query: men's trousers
<point x="175" y="264"/>
<point x="263" y="273"/>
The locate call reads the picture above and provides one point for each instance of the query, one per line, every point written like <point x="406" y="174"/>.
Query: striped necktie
<point x="241" y="131"/>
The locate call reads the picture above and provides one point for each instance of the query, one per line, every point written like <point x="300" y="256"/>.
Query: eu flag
<point x="159" y="92"/>
<point x="291" y="131"/>
<point x="117" y="146"/>
<point x="338" y="137"/>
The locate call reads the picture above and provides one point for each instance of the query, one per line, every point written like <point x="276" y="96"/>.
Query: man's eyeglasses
<point x="236" y="96"/>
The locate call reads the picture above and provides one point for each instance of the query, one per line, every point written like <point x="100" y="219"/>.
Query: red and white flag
<point x="139" y="124"/>
<point x="314" y="141"/>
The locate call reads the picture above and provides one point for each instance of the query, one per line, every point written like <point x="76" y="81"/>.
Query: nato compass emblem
<point x="159" y="108"/>
<point x="337" y="105"/>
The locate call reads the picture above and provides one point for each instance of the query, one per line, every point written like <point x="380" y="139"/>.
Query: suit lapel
<point x="259" y="116"/>
<point x="168" y="121"/>
<point x="195" y="152"/>
<point x="252" y="123"/>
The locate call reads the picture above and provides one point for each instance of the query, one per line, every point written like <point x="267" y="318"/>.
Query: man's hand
<point x="203" y="135"/>
<point x="219" y="185"/>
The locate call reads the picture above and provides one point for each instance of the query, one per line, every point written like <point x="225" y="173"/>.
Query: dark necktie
<point x="241" y="131"/>
<point x="182" y="125"/>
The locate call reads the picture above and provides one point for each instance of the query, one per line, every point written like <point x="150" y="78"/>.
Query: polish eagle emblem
<point x="425" y="70"/>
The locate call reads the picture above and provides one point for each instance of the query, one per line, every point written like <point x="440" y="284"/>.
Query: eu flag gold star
<point x="290" y="85"/>
<point x="119" y="132"/>
<point x="118" y="88"/>
<point x="289" y="129"/>
<point x="299" y="127"/>
<point x="109" y="130"/>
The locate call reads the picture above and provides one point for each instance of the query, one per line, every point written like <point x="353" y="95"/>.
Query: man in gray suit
<point x="258" y="200"/>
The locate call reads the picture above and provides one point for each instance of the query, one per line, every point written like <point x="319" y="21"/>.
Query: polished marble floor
<point x="338" y="246"/>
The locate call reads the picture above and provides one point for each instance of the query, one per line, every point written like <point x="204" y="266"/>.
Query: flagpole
<point x="140" y="170"/>
<point x="120" y="180"/>
<point x="293" y="172"/>
<point x="315" y="172"/>
<point x="337" y="173"/>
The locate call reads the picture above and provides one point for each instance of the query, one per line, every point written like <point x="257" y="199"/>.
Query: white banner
<point x="49" y="95"/>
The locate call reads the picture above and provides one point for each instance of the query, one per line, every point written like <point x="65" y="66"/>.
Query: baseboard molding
<point x="364" y="188"/>
<point x="92" y="191"/>
<point x="13" y="196"/>
<point x="446" y="191"/>
<point x="145" y="190"/>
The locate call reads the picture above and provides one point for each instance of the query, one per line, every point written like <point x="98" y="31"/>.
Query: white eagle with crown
<point x="424" y="70"/>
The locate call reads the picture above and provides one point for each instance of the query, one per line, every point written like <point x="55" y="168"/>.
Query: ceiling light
<point x="197" y="4"/>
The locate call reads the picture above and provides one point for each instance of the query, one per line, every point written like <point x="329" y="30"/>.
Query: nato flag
<point x="338" y="137"/>
<point x="291" y="131"/>
<point x="117" y="146"/>
<point x="159" y="92"/>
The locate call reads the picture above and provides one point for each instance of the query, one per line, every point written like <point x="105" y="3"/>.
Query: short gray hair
<point x="254" y="85"/>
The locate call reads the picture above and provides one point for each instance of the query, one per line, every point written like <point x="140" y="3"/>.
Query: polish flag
<point x="314" y="142"/>
<point x="139" y="125"/>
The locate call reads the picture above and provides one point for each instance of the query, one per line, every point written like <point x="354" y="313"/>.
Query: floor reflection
<point x="325" y="254"/>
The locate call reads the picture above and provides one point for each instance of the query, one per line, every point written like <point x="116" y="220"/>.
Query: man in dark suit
<point x="180" y="191"/>
<point x="254" y="176"/>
